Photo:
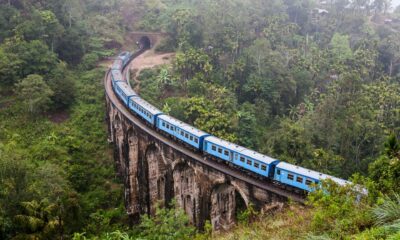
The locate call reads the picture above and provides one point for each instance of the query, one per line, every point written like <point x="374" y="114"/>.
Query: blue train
<point x="285" y="174"/>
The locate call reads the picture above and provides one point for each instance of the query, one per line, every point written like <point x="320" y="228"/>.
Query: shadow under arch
<point x="188" y="194"/>
<point x="145" y="42"/>
<point x="226" y="202"/>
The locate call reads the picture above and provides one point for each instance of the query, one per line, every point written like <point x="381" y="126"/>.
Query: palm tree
<point x="163" y="79"/>
<point x="387" y="214"/>
<point x="392" y="147"/>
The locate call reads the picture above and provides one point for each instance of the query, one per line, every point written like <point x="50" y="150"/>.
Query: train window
<point x="263" y="167"/>
<point x="191" y="138"/>
<point x="299" y="179"/>
<point x="182" y="133"/>
<point x="249" y="161"/>
<point x="290" y="176"/>
<point x="242" y="159"/>
<point x="278" y="172"/>
<point x="256" y="165"/>
<point x="226" y="153"/>
<point x="186" y="135"/>
<point x="220" y="150"/>
<point x="214" y="148"/>
<point x="196" y="140"/>
<point x="163" y="124"/>
<point x="308" y="182"/>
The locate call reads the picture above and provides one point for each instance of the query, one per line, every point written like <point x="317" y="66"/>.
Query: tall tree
<point x="34" y="93"/>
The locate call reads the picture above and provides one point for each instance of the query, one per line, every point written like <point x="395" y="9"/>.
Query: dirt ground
<point x="149" y="59"/>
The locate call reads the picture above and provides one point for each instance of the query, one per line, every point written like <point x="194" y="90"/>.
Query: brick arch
<point x="153" y="37"/>
<point x="226" y="199"/>
<point x="159" y="178"/>
<point x="188" y="193"/>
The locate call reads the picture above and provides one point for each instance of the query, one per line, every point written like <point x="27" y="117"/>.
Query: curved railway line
<point x="223" y="168"/>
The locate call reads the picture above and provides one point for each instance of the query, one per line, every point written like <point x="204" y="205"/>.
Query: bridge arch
<point x="159" y="178"/>
<point x="187" y="192"/>
<point x="226" y="201"/>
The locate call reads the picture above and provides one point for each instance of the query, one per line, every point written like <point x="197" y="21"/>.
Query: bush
<point x="337" y="211"/>
<point x="166" y="45"/>
<point x="89" y="61"/>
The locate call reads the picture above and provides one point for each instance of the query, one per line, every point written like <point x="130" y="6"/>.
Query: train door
<point x="231" y="156"/>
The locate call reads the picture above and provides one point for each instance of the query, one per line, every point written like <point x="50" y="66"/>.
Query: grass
<point x="291" y="223"/>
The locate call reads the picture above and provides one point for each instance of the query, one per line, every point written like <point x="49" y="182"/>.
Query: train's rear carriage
<point x="145" y="110"/>
<point x="220" y="148"/>
<point x="124" y="92"/>
<point x="255" y="162"/>
<point x="117" y="65"/>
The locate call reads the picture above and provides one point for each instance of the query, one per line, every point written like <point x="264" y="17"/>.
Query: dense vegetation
<point x="310" y="83"/>
<point x="318" y="89"/>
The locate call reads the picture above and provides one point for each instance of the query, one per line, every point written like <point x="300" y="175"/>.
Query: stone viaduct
<point x="156" y="169"/>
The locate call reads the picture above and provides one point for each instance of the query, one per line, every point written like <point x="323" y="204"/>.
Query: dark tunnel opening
<point x="144" y="42"/>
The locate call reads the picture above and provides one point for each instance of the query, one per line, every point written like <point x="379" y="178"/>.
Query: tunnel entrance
<point x="145" y="42"/>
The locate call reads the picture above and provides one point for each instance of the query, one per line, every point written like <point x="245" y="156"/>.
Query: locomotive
<point x="262" y="166"/>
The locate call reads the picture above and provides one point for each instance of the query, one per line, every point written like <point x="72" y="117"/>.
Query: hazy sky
<point x="395" y="3"/>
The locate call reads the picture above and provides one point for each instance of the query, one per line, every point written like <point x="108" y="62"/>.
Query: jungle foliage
<point x="317" y="89"/>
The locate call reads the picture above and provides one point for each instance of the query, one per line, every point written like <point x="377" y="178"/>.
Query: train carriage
<point x="124" y="92"/>
<point x="117" y="65"/>
<point x="144" y="109"/>
<point x="255" y="162"/>
<point x="182" y="131"/>
<point x="300" y="177"/>
<point x="125" y="57"/>
<point x="240" y="156"/>
<point x="116" y="76"/>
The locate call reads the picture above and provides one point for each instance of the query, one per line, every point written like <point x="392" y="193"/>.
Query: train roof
<point x="126" y="89"/>
<point x="143" y="103"/>
<point x="310" y="173"/>
<point x="223" y="143"/>
<point x="117" y="64"/>
<point x="258" y="156"/>
<point x="242" y="150"/>
<point x="124" y="53"/>
<point x="184" y="126"/>
<point x="117" y="75"/>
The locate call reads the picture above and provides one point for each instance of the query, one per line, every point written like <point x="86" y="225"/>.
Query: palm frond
<point x="388" y="212"/>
